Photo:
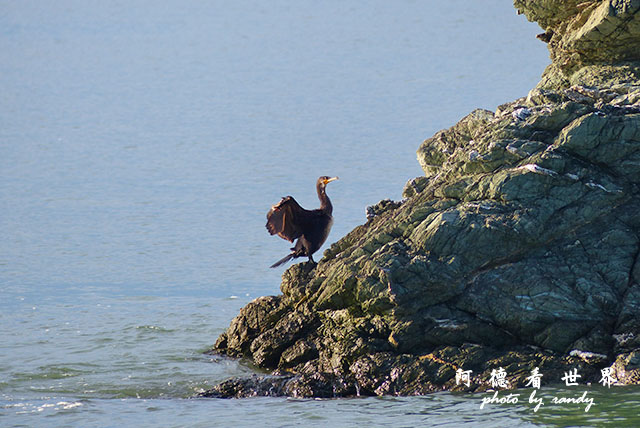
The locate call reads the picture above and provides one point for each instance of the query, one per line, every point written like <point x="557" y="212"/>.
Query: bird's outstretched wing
<point x="287" y="219"/>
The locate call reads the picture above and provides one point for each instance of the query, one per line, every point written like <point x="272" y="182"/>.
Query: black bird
<point x="290" y="221"/>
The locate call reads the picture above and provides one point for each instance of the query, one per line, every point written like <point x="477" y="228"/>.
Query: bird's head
<point x="325" y="179"/>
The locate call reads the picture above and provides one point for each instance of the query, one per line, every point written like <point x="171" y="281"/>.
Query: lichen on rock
<point x="519" y="248"/>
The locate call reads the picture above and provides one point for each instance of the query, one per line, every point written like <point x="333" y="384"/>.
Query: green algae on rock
<point x="519" y="248"/>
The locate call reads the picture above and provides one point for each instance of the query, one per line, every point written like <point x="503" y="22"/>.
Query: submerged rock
<point x="519" y="248"/>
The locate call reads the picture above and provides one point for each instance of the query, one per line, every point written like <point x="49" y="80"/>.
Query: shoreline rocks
<point x="519" y="247"/>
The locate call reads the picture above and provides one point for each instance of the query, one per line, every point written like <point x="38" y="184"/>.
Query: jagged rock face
<point x="544" y="221"/>
<point x="519" y="248"/>
<point x="586" y="38"/>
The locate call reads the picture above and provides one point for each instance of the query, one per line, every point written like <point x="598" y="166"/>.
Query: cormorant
<point x="290" y="221"/>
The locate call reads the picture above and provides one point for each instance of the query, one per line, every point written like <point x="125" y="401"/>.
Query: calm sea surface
<point x="141" y="144"/>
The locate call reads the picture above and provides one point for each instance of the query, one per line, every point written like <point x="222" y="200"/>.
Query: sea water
<point x="141" y="145"/>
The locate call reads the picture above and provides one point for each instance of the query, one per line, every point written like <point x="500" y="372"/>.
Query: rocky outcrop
<point x="589" y="41"/>
<point x="518" y="248"/>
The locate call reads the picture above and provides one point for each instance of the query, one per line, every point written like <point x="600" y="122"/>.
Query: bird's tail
<point x="283" y="260"/>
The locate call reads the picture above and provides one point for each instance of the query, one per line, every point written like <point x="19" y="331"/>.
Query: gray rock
<point x="519" y="248"/>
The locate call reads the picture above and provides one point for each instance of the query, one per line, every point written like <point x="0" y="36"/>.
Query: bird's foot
<point x="307" y="266"/>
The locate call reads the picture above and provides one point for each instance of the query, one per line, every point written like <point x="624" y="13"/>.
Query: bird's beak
<point x="329" y="180"/>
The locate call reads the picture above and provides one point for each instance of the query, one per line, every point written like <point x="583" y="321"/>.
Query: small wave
<point x="154" y="328"/>
<point x="22" y="408"/>
<point x="50" y="372"/>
